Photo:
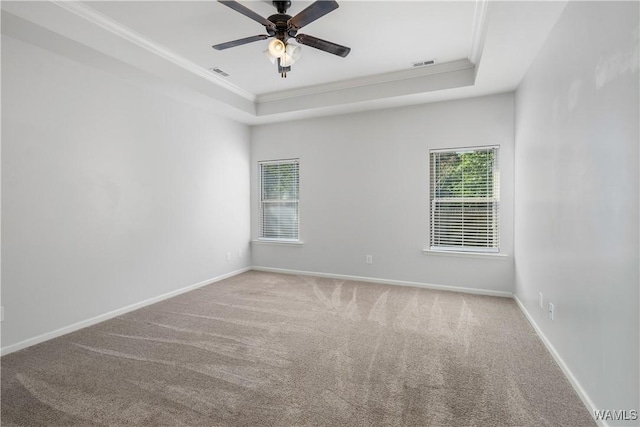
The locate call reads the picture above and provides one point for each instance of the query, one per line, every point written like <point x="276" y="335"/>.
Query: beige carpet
<point x="264" y="349"/>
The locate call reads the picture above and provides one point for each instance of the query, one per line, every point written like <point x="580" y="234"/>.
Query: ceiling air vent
<point x="423" y="63"/>
<point x="218" y="71"/>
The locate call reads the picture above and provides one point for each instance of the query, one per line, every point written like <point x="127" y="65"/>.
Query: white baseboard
<point x="387" y="281"/>
<point x="588" y="403"/>
<point x="106" y="316"/>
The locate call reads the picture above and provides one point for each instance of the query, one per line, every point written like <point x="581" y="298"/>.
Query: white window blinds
<point x="465" y="200"/>
<point x="279" y="190"/>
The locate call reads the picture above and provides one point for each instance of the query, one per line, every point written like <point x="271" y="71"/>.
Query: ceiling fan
<point x="284" y="27"/>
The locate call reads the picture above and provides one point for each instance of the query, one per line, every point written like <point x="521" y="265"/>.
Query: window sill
<point x="481" y="255"/>
<point x="278" y="242"/>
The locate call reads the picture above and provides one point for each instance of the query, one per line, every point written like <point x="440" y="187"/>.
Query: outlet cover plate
<point x="541" y="300"/>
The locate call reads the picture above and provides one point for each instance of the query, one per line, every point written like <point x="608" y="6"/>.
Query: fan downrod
<point x="282" y="6"/>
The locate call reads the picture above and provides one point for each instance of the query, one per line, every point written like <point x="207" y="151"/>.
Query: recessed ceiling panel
<point x="384" y="36"/>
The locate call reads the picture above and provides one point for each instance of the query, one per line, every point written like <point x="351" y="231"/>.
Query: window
<point x="465" y="200"/>
<point x="279" y="189"/>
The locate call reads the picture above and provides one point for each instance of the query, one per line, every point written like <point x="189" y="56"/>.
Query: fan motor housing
<point x="282" y="31"/>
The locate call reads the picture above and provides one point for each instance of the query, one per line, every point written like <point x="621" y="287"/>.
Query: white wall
<point x="111" y="194"/>
<point x="576" y="231"/>
<point x="364" y="184"/>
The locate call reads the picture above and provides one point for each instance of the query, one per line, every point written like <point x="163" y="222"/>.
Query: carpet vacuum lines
<point x="271" y="349"/>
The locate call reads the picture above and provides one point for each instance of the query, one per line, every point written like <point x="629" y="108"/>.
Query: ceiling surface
<point x="479" y="47"/>
<point x="382" y="36"/>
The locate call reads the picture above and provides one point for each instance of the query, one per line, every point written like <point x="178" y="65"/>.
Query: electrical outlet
<point x="541" y="300"/>
<point x="551" y="310"/>
<point x="228" y="256"/>
<point x="369" y="259"/>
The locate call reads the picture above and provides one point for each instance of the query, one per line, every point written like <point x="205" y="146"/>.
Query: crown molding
<point x="479" y="31"/>
<point x="95" y="17"/>
<point x="377" y="79"/>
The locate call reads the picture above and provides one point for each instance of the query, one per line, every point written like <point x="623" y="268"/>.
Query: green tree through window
<point x="465" y="200"/>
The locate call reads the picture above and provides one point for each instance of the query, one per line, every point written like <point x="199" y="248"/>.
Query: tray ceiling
<point x="480" y="48"/>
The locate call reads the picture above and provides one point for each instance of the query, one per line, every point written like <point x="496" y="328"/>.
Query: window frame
<point x="461" y="250"/>
<point x="261" y="202"/>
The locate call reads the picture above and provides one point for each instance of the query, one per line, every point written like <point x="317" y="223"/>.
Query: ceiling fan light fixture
<point x="277" y="48"/>
<point x="271" y="57"/>
<point x="292" y="53"/>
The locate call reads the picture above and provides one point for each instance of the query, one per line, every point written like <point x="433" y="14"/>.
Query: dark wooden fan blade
<point x="314" y="11"/>
<point x="247" y="12"/>
<point x="334" y="48"/>
<point x="239" y="42"/>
